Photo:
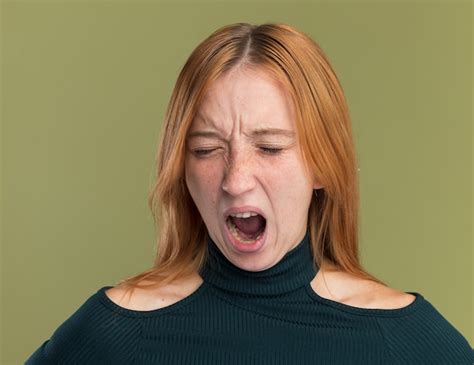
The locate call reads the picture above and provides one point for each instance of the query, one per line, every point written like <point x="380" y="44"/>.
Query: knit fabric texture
<point x="267" y="317"/>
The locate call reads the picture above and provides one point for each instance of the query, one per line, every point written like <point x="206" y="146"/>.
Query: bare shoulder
<point x="156" y="298"/>
<point x="350" y="290"/>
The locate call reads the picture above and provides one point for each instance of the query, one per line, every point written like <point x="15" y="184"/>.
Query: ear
<point x="317" y="185"/>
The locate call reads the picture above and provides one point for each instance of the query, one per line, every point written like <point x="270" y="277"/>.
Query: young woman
<point x="256" y="201"/>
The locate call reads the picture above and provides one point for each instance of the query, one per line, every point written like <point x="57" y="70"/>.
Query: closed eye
<point x="203" y="152"/>
<point x="271" y="151"/>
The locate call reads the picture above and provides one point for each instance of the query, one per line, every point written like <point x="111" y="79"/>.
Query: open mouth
<point x="247" y="229"/>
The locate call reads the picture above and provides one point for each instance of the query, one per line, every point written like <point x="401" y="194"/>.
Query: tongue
<point x="250" y="227"/>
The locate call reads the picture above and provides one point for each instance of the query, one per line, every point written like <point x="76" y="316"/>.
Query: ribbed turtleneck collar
<point x="293" y="271"/>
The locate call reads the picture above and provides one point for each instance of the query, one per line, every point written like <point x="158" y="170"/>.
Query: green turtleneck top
<point x="268" y="317"/>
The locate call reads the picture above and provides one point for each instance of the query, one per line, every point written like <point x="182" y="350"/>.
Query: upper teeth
<point x="244" y="215"/>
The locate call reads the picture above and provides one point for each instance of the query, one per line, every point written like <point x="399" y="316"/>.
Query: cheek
<point x="287" y="171"/>
<point x="201" y="180"/>
<point x="291" y="189"/>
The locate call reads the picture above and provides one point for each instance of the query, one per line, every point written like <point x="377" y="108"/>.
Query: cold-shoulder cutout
<point x="347" y="292"/>
<point x="152" y="300"/>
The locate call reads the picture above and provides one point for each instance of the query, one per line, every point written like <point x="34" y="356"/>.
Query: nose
<point x="239" y="174"/>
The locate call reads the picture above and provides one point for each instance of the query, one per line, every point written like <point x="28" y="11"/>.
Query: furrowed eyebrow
<point x="209" y="134"/>
<point x="255" y="133"/>
<point x="273" y="131"/>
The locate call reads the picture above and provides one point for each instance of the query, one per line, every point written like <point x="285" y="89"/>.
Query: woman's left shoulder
<point x="418" y="333"/>
<point x="414" y="331"/>
<point x="345" y="288"/>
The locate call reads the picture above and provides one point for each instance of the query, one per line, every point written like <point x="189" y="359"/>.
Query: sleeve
<point x="93" y="334"/>
<point x="424" y="336"/>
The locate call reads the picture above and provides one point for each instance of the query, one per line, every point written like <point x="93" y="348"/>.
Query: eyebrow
<point x="254" y="133"/>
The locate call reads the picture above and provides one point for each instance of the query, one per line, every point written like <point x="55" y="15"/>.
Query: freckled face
<point x="231" y="162"/>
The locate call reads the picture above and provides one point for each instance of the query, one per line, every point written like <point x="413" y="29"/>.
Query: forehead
<point x="250" y="97"/>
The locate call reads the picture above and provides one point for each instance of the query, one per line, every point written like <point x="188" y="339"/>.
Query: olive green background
<point x="84" y="91"/>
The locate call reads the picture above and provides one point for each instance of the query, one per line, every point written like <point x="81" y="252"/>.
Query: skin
<point x="237" y="170"/>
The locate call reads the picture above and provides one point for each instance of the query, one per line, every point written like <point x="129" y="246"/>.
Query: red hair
<point x="324" y="130"/>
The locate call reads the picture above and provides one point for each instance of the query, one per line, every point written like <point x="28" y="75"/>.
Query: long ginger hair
<point x="323" y="126"/>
